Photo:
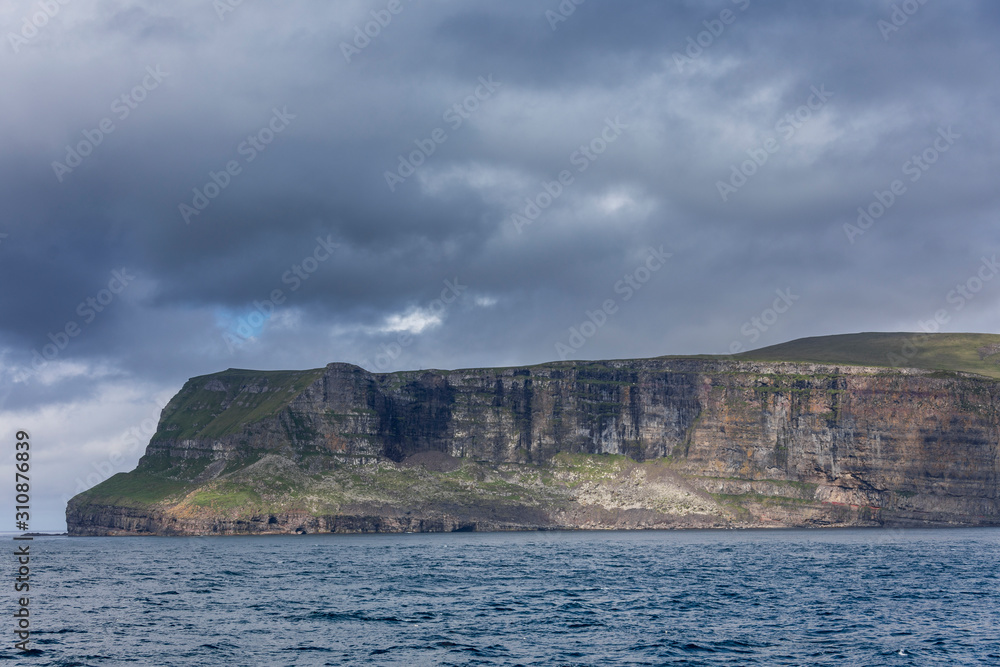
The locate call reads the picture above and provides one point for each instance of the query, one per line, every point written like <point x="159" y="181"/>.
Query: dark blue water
<point x="851" y="597"/>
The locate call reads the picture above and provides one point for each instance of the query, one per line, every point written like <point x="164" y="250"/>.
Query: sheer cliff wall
<point x="883" y="445"/>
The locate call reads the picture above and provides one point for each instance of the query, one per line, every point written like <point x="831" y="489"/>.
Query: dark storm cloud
<point x="324" y="175"/>
<point x="669" y="98"/>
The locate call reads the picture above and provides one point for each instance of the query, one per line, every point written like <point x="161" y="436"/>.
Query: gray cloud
<point x="323" y="177"/>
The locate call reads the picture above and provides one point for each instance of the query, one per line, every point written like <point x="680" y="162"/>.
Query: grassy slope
<point x="275" y="485"/>
<point x="947" y="352"/>
<point x="198" y="412"/>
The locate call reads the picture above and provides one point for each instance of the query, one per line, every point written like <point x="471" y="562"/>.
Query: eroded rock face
<point x="776" y="443"/>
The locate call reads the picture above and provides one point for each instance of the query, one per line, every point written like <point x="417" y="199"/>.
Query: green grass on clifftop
<point x="971" y="353"/>
<point x="210" y="406"/>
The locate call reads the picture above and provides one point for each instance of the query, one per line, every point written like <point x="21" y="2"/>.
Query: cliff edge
<point x="818" y="432"/>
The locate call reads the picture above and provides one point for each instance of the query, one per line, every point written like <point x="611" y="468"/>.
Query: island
<point x="873" y="429"/>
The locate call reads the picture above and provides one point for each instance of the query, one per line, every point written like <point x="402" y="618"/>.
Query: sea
<point x="751" y="597"/>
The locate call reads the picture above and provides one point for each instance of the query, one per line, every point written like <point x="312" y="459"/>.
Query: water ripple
<point x="847" y="597"/>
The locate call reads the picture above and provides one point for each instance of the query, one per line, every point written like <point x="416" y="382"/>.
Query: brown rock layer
<point x="768" y="443"/>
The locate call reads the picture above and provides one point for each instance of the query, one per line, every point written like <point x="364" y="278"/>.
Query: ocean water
<point x="790" y="597"/>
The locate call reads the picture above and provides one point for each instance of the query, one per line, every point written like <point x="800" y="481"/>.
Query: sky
<point x="194" y="186"/>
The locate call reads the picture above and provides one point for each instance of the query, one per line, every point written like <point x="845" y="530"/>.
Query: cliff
<point x="651" y="443"/>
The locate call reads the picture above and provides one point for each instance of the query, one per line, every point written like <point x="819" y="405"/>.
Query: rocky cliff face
<point x="637" y="443"/>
